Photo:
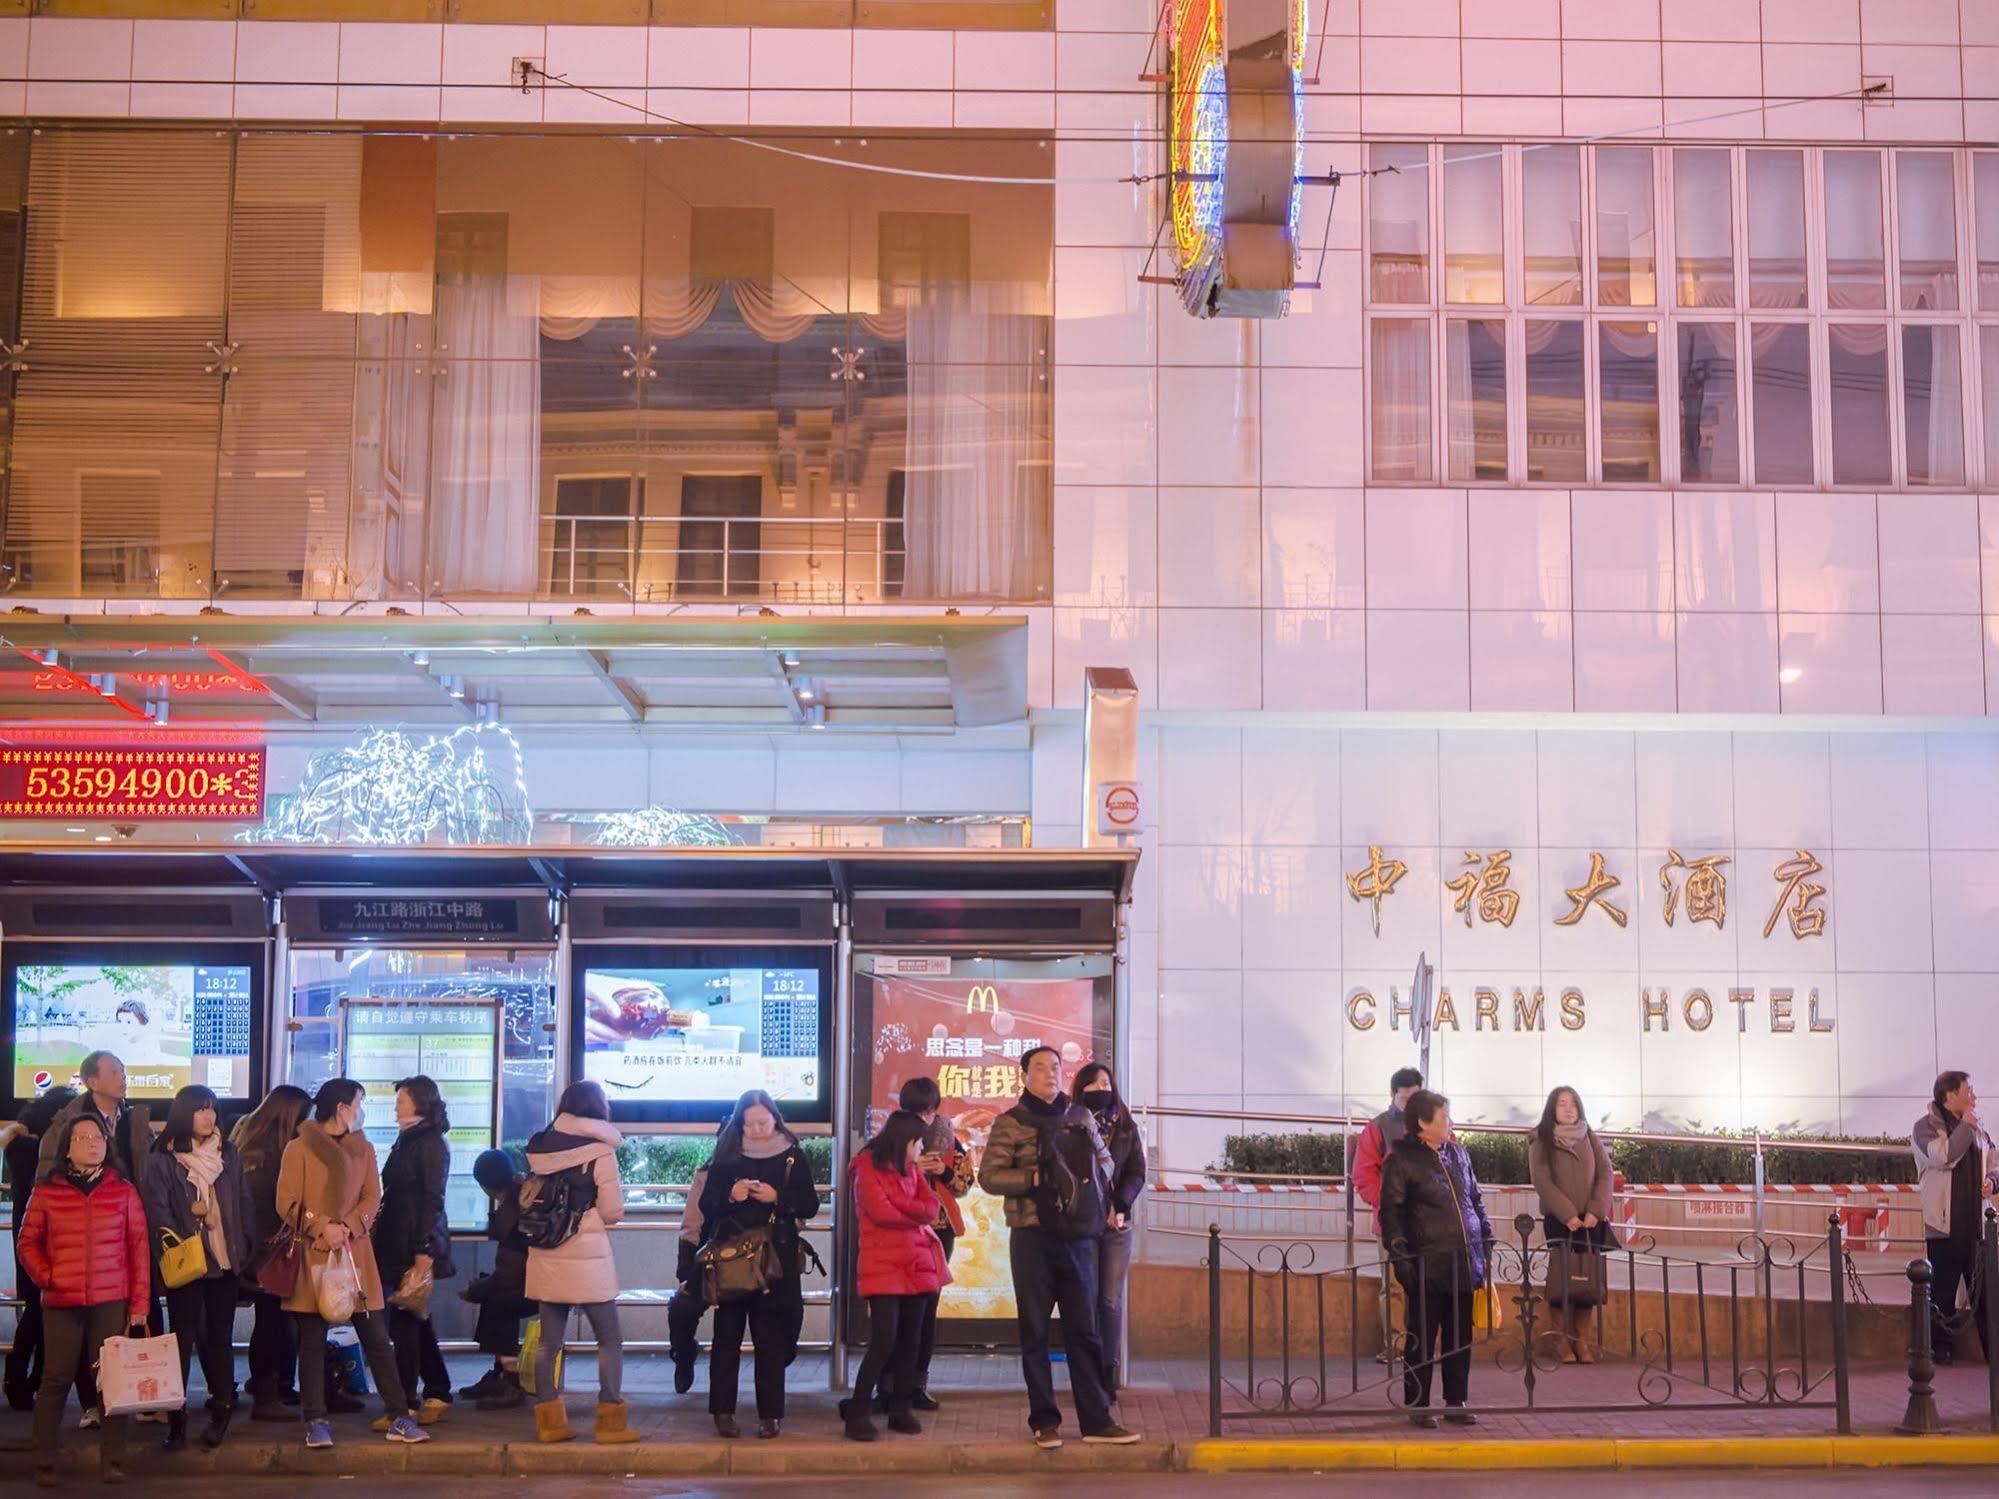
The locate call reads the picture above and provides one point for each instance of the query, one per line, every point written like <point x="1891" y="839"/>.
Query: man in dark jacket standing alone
<point x="1054" y="1262"/>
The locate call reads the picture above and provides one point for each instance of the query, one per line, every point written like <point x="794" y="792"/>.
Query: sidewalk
<point x="982" y="1428"/>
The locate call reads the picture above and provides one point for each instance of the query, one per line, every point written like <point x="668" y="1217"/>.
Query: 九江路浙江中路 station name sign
<point x="1783" y="1011"/>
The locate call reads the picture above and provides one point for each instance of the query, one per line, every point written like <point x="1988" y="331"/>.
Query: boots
<point x="506" y="1396"/>
<point x="267" y="1401"/>
<point x="854" y="1413"/>
<point x="551" y="1422"/>
<point x="176" y="1437"/>
<point x="218" y="1426"/>
<point x="611" y="1428"/>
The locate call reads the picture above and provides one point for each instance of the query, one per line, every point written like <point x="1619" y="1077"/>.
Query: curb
<point x="1284" y="1455"/>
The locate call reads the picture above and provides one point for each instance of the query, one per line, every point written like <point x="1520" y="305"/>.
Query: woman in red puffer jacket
<point x="83" y="1243"/>
<point x="901" y="1265"/>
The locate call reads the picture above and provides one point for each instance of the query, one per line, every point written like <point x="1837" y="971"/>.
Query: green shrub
<point x="659" y="1160"/>
<point x="1501" y="1159"/>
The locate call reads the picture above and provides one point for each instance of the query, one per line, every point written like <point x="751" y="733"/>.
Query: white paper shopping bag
<point x="140" y="1374"/>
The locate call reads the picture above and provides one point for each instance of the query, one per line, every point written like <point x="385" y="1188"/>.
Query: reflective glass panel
<point x="1556" y="449"/>
<point x="1855" y="263"/>
<point x="1781" y="381"/>
<point x="1704" y="220"/>
<point x="1776" y="195"/>
<point x="1857" y="370"/>
<point x="1626" y="225"/>
<point x="1399" y="374"/>
<point x="1926" y="205"/>
<point x="1710" y="413"/>
<point x="1475" y="416"/>
<point x="1552" y="221"/>
<point x="1474" y="253"/>
<point x="1628" y="370"/>
<point x="1933" y="404"/>
<point x="1399" y="223"/>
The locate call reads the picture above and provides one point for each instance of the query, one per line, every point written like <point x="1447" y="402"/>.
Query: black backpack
<point x="1068" y="1194"/>
<point x="552" y="1206"/>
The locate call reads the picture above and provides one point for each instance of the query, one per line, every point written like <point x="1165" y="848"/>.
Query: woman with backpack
<point x="413" y="1236"/>
<point x="567" y="1205"/>
<point x="193" y="1189"/>
<point x="759" y="1186"/>
<point x="900" y="1269"/>
<point x="260" y="1138"/>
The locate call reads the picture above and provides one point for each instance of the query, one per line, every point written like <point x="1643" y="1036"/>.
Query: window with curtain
<point x="1816" y="334"/>
<point x="1398" y="200"/>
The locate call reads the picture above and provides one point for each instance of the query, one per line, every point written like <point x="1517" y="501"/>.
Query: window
<point x="592" y="548"/>
<point x="118" y="519"/>
<point x="923" y="251"/>
<point x="1817" y="331"/>
<point x="719" y="535"/>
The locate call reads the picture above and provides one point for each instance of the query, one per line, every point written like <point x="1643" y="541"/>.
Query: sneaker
<point x="405" y="1429"/>
<point x="1047" y="1438"/>
<point x="486" y="1386"/>
<point x="318" y="1434"/>
<point x="904" y="1423"/>
<point x="1459" y="1416"/>
<point x="1113" y="1435"/>
<point x="1424" y="1421"/>
<point x="923" y="1400"/>
<point x="92" y="1419"/>
<point x="433" y="1411"/>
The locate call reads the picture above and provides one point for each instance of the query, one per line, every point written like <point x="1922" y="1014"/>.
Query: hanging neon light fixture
<point x="392" y="788"/>
<point x="1235" y="145"/>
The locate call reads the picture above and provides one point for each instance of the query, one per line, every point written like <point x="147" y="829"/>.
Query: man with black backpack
<point x="1046" y="1159"/>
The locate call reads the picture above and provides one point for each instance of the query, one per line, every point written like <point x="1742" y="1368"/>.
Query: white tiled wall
<point x="1257" y="943"/>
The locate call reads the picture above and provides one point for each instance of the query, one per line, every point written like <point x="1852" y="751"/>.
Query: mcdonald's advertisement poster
<point x="969" y="1034"/>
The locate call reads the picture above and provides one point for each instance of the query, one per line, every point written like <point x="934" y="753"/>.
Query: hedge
<point x="657" y="1160"/>
<point x="1502" y="1159"/>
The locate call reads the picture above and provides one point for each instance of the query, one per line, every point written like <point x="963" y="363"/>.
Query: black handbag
<point x="1577" y="1275"/>
<point x="738" y="1264"/>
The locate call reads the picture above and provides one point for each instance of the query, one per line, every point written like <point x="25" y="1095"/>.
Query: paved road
<point x="1932" y="1484"/>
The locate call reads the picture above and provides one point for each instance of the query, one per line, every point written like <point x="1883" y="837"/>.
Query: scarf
<point x="1051" y="1109"/>
<point x="202" y="1162"/>
<point x="768" y="1149"/>
<point x="1572" y="1137"/>
<point x="84" y="1180"/>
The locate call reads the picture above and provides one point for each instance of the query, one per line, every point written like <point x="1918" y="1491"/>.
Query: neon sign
<point x="178" y="783"/>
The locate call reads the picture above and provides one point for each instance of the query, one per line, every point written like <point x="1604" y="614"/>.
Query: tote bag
<point x="135" y="1375"/>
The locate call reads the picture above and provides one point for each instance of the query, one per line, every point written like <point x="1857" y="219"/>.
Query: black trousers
<point x="24" y="1359"/>
<point x="683" y="1321"/>
<point x="372" y="1329"/>
<point x="71" y="1337"/>
<point x="1951" y="1262"/>
<point x="1439" y="1333"/>
<point x="895" y="1332"/>
<point x="273" y="1346"/>
<point x="498" y="1328"/>
<point x="202" y="1315"/>
<point x="1048" y="1273"/>
<point x="768" y="1318"/>
<point x="417" y="1356"/>
<point x="926" y="1343"/>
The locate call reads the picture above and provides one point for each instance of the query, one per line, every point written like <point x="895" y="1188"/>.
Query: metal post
<point x="1836" y="1258"/>
<point x="1921" y="1418"/>
<point x="1346" y="1170"/>
<point x="1990" y="1308"/>
<point x="844" y="1119"/>
<point x="1215" y="1328"/>
<point x="1758" y="1196"/>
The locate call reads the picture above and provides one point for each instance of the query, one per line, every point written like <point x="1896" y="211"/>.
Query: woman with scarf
<point x="260" y="1138"/>
<point x="1570" y="1170"/>
<point x="193" y="1188"/>
<point x="327" y="1184"/>
<point x="1096" y="1090"/>
<point x="759" y="1177"/>
<point x="412" y="1234"/>
<point x="84" y="1244"/>
<point x="580" y="1273"/>
<point x="1440" y="1242"/>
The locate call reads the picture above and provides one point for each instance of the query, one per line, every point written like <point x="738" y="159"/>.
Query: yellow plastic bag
<point x="1487" y="1315"/>
<point x="530" y="1350"/>
<point x="182" y="1261"/>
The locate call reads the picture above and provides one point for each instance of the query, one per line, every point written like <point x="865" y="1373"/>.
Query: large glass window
<point x="1399" y="417"/>
<point x="1399" y="223"/>
<point x="1818" y="332"/>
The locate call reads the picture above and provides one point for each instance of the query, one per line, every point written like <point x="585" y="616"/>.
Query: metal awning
<point x="277" y="869"/>
<point x="887" y="672"/>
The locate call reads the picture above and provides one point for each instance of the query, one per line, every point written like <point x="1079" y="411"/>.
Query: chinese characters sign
<point x="177" y="782"/>
<point x="412" y="917"/>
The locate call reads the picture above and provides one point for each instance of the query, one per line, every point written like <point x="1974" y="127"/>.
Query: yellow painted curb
<point x="1292" y="1455"/>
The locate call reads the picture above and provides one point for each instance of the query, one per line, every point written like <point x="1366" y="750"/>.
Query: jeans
<point x="203" y="1317"/>
<point x="372" y="1329"/>
<point x="417" y="1355"/>
<point x="273" y="1346"/>
<point x="1113" y="1275"/>
<point x="1048" y="1273"/>
<point x="769" y="1319"/>
<point x="603" y="1318"/>
<point x="1951" y="1262"/>
<point x="1439" y="1332"/>
<point x="71" y="1337"/>
<point x="895" y="1331"/>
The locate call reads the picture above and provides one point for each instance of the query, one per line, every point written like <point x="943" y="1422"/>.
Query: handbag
<point x="275" y="1265"/>
<point x="182" y="1261"/>
<point x="135" y="1375"/>
<point x="1576" y="1275"/>
<point x="739" y="1264"/>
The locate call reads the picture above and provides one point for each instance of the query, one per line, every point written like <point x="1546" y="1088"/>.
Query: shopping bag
<point x="412" y="1292"/>
<point x="338" y="1288"/>
<point x="1486" y="1313"/>
<point x="135" y="1375"/>
<point x="346" y="1362"/>
<point x="182" y="1261"/>
<point x="1576" y="1276"/>
<point x="530" y="1350"/>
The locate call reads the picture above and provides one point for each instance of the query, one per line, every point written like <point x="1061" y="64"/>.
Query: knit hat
<point x="494" y="1170"/>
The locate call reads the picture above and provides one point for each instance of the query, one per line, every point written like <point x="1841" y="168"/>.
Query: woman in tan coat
<point x="1571" y="1171"/>
<point x="329" y="1190"/>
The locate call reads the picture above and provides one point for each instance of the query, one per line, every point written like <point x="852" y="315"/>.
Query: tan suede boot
<point x="551" y="1422"/>
<point x="611" y="1427"/>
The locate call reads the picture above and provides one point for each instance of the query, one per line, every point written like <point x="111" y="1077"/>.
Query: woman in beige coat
<point x="1571" y="1171"/>
<point x="329" y="1190"/>
<point x="579" y="1150"/>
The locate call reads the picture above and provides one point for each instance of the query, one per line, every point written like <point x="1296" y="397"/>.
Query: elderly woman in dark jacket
<point x="413" y="1233"/>
<point x="1096" y="1090"/>
<point x="1433" y="1222"/>
<point x="193" y="1187"/>
<point x="1570" y="1170"/>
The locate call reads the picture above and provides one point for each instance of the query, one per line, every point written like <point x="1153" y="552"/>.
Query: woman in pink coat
<point x="901" y="1265"/>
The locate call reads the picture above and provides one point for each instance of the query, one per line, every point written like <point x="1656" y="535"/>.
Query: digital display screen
<point x="171" y="1024"/>
<point x="703" y="1035"/>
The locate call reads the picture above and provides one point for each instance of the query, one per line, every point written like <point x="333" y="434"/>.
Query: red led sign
<point x="180" y="783"/>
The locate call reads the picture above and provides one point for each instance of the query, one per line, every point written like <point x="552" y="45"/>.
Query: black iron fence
<point x="1300" y="1332"/>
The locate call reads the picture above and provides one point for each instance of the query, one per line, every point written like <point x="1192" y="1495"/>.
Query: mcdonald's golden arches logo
<point x="983" y="999"/>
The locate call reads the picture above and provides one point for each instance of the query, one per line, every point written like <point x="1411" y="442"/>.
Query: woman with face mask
<point x="193" y="1186"/>
<point x="1096" y="1090"/>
